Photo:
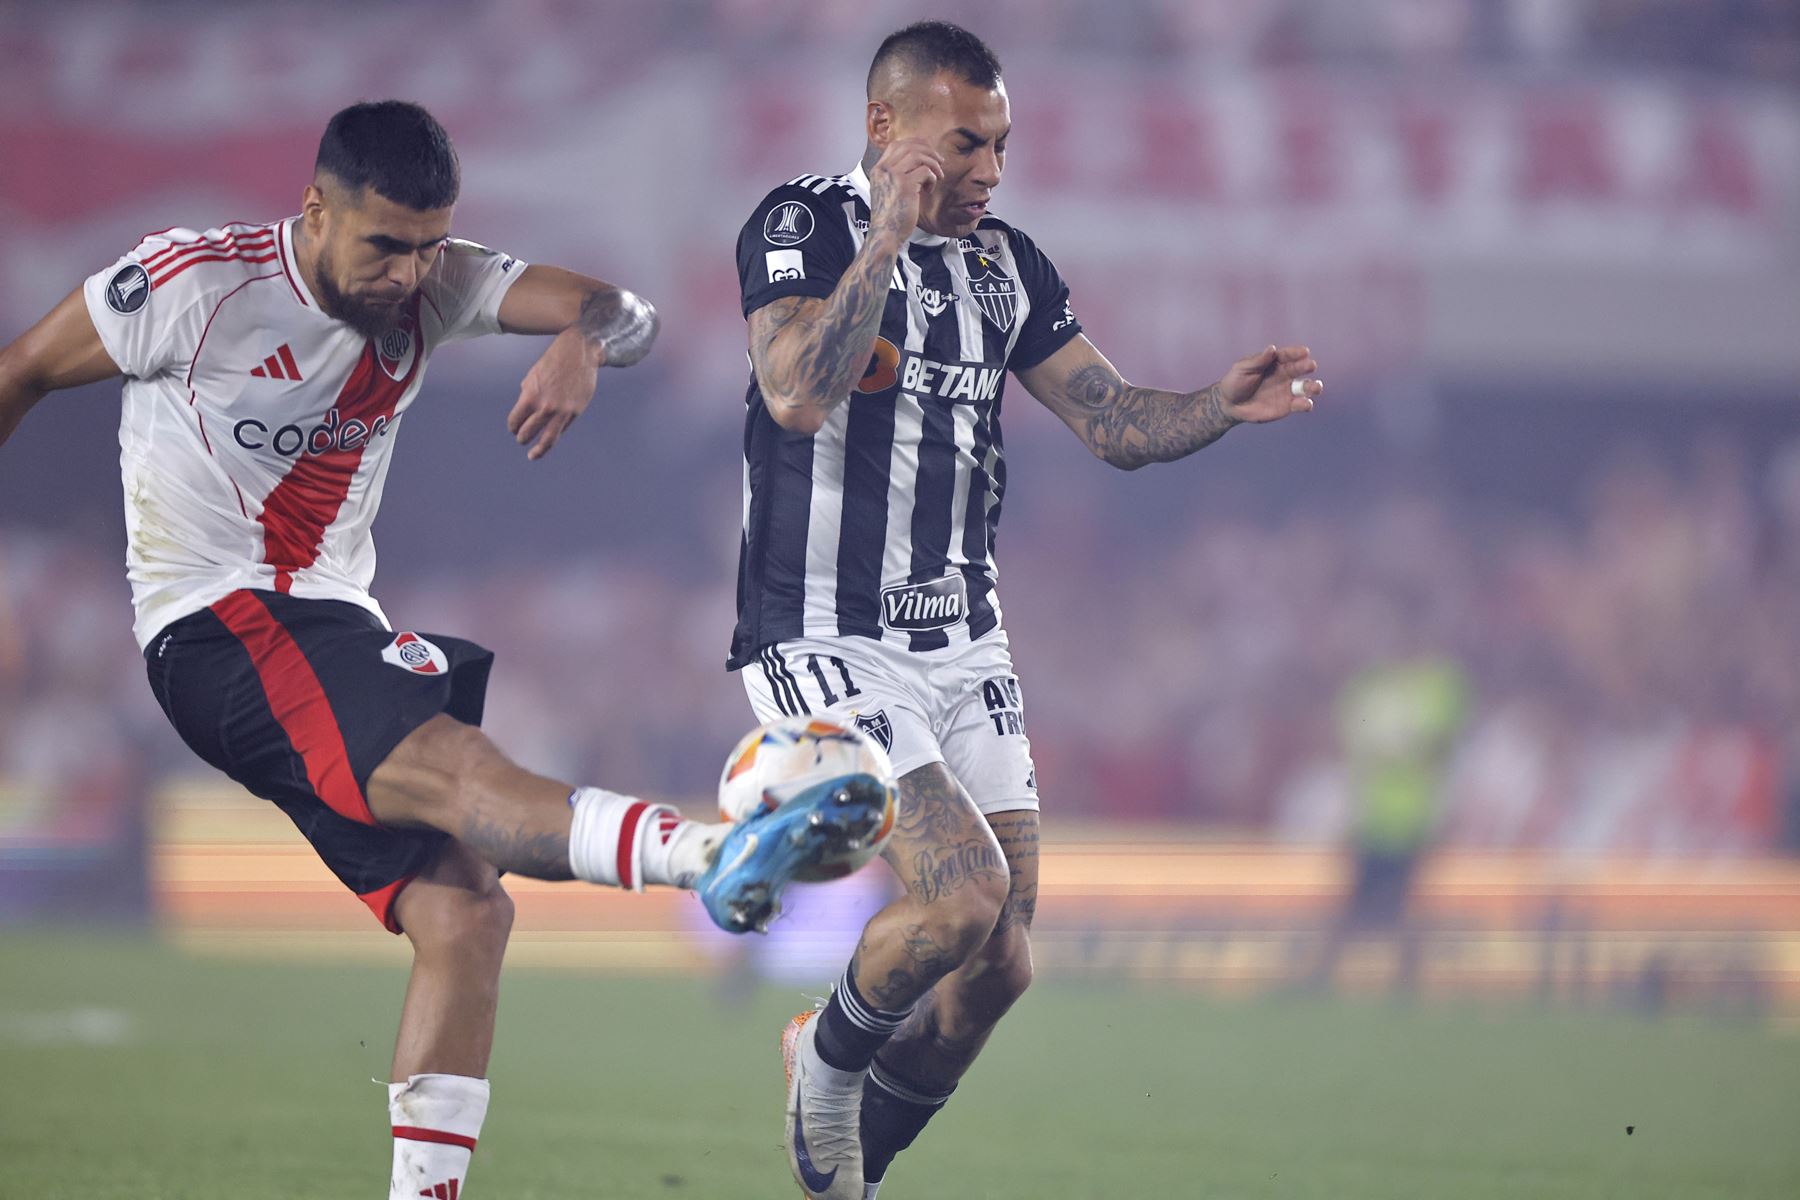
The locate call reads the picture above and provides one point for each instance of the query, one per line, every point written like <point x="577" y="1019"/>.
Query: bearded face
<point x="370" y="316"/>
<point x="372" y="254"/>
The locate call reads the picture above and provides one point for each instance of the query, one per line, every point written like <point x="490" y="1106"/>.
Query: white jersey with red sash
<point x="257" y="431"/>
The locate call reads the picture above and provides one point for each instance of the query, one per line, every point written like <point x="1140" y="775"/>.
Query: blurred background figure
<point x="1398" y="722"/>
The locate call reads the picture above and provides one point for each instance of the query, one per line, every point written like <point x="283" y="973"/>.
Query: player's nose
<point x="987" y="168"/>
<point x="403" y="272"/>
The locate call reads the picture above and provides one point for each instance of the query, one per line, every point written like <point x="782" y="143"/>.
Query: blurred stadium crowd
<point x="1630" y="660"/>
<point x="1757" y="38"/>
<point x="1578" y="195"/>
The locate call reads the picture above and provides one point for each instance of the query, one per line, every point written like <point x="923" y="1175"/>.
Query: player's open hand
<point x="906" y="171"/>
<point x="556" y="390"/>
<point x="1271" y="383"/>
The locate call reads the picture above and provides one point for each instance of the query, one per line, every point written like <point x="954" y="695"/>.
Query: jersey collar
<point x="291" y="268"/>
<point x="859" y="182"/>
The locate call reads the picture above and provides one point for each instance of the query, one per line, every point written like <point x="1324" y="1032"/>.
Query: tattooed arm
<point x="1130" y="427"/>
<point x="808" y="353"/>
<point x="596" y="325"/>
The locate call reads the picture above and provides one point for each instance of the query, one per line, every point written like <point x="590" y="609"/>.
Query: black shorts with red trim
<point x="299" y="701"/>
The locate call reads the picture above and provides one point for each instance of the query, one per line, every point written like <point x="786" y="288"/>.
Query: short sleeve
<point x="797" y="243"/>
<point x="1052" y="323"/>
<point x="466" y="286"/>
<point x="145" y="326"/>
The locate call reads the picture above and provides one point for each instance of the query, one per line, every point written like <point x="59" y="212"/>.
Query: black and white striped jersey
<point x="881" y="525"/>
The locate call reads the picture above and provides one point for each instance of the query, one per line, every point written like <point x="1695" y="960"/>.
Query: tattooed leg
<point x="951" y="1023"/>
<point x="448" y="776"/>
<point x="956" y="889"/>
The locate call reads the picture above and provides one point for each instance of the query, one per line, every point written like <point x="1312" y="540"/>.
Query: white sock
<point x="869" y="1190"/>
<point x="625" y="842"/>
<point x="827" y="1077"/>
<point x="679" y="852"/>
<point x="436" y="1120"/>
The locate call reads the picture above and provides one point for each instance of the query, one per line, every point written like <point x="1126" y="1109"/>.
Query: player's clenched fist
<point x="907" y="169"/>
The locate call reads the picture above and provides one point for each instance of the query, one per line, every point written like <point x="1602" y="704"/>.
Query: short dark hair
<point x="395" y="147"/>
<point x="933" y="46"/>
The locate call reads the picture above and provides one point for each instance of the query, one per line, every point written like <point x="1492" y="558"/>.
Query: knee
<point x="1012" y="968"/>
<point x="961" y="923"/>
<point x="432" y="774"/>
<point x="464" y="922"/>
<point x="988" y="985"/>
<point x="487" y="917"/>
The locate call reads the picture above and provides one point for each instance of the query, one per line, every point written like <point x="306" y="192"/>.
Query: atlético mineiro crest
<point x="877" y="726"/>
<point x="396" y="349"/>
<point x="410" y="652"/>
<point x="995" y="294"/>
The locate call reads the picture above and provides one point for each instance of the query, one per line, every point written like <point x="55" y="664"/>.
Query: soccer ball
<point x="778" y="761"/>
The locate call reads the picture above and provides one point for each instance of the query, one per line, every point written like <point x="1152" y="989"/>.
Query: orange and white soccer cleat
<point x="824" y="1117"/>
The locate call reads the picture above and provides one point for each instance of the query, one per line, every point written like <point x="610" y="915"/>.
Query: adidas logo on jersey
<point x="279" y="365"/>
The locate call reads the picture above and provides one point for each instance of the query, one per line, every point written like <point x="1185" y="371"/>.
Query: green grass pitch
<point x="230" y="1079"/>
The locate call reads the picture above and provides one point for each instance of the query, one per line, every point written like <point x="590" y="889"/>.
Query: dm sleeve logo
<point x="788" y="224"/>
<point x="127" y="290"/>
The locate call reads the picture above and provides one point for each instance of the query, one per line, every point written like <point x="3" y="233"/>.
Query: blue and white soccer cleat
<point x="820" y="823"/>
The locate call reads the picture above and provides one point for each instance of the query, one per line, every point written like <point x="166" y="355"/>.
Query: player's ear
<point x="312" y="207"/>
<point x="880" y="122"/>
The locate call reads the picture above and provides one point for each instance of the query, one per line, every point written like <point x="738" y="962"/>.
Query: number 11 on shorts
<point x="818" y="673"/>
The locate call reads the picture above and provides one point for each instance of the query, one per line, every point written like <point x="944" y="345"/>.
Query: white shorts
<point x="960" y="706"/>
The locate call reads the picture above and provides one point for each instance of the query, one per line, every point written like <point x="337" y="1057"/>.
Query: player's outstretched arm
<point x="1130" y="427"/>
<point x="808" y="353"/>
<point x="596" y="325"/>
<point x="61" y="351"/>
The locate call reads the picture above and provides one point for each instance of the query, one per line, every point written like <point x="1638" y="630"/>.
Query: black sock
<point x="894" y="1111"/>
<point x="851" y="1029"/>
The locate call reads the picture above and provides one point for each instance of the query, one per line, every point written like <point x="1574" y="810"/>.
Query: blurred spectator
<point x="1636" y="657"/>
<point x="1398" y="722"/>
<point x="1633" y="639"/>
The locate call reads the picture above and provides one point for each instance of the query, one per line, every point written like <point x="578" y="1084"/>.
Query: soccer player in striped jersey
<point x="267" y="369"/>
<point x="886" y="307"/>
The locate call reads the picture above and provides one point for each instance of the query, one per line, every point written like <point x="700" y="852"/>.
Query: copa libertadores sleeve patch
<point x="128" y="289"/>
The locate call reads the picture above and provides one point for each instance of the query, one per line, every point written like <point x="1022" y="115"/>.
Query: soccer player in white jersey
<point x="885" y="308"/>
<point x="268" y="368"/>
